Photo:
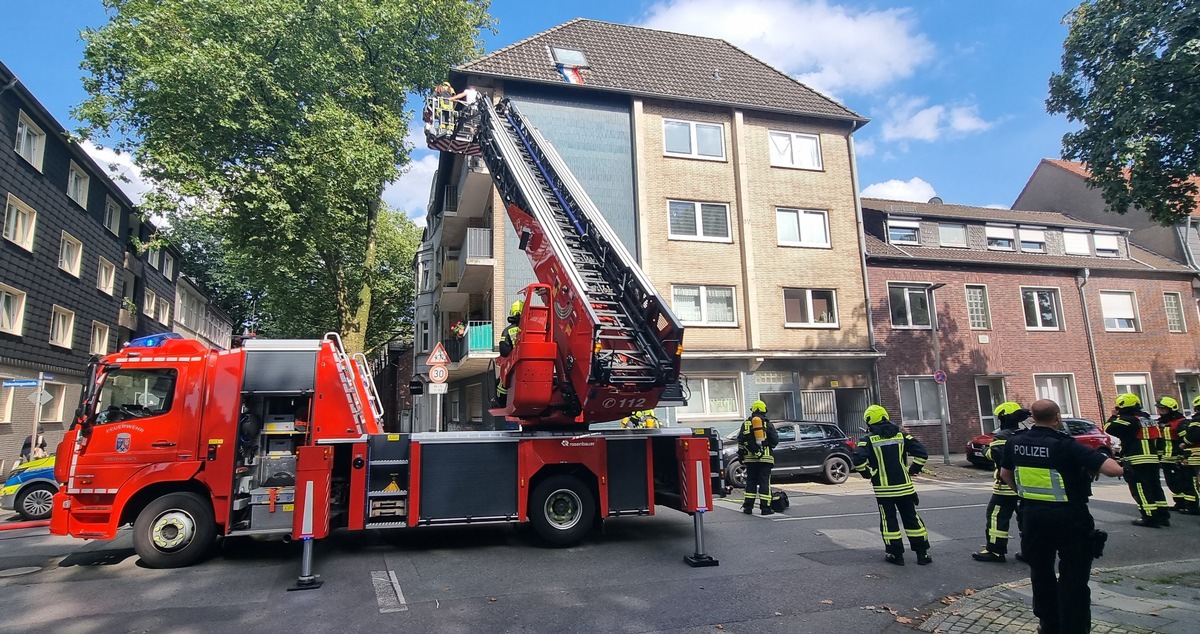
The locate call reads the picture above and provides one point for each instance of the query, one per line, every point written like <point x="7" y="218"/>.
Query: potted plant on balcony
<point x="459" y="330"/>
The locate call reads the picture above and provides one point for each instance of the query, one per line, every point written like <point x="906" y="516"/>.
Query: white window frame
<point x="987" y="308"/>
<point x="30" y="140"/>
<point x="1032" y="236"/>
<point x="52" y="410"/>
<point x="808" y="307"/>
<point x="695" y="153"/>
<point x="423" y="337"/>
<point x="153" y="257"/>
<point x="812" y="141"/>
<point x="1084" y="248"/>
<point x="106" y="276"/>
<point x="1108" y="245"/>
<point x="70" y="262"/>
<point x="12" y="207"/>
<point x="702" y="290"/>
<point x="7" y="396"/>
<point x="1058" y="310"/>
<point x="62" y="327"/>
<point x="168" y="265"/>
<point x="77" y="184"/>
<point x="1178" y="308"/>
<point x="162" y="311"/>
<point x="956" y="245"/>
<point x="797" y="215"/>
<point x="563" y="55"/>
<point x="1001" y="232"/>
<point x="1070" y="408"/>
<point x="897" y="223"/>
<point x="909" y="289"/>
<point x="100" y="335"/>
<point x="12" y="319"/>
<point x="698" y="384"/>
<point x="697" y="210"/>
<point x="112" y="216"/>
<point x="1121" y="315"/>
<point x="917" y="380"/>
<point x="149" y="302"/>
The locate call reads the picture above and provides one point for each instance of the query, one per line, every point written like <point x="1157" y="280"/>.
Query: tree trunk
<point x="355" y="339"/>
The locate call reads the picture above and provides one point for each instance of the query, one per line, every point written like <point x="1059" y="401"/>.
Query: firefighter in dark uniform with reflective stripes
<point x="1189" y="444"/>
<point x="1140" y="441"/>
<point x="1003" y="504"/>
<point x="1052" y="473"/>
<point x="882" y="457"/>
<point x="1179" y="477"/>
<point x="756" y="441"/>
<point x="508" y="343"/>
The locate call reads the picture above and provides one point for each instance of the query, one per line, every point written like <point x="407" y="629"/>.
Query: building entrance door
<point x="989" y="392"/>
<point x="1189" y="388"/>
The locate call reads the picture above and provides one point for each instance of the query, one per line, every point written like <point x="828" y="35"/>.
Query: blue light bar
<point x="153" y="341"/>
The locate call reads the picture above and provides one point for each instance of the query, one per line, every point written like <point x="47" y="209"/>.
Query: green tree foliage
<point x="1131" y="76"/>
<point x="282" y="121"/>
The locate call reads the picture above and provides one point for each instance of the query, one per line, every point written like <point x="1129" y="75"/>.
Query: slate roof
<point x="982" y="214"/>
<point x="1140" y="259"/>
<point x="653" y="63"/>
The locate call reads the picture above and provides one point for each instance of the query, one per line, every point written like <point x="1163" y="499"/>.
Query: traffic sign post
<point x="939" y="376"/>
<point x="438" y="374"/>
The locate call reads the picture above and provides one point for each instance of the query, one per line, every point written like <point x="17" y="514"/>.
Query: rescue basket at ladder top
<point x="450" y="126"/>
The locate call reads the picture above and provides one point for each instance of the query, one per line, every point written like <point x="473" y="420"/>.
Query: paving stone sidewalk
<point x="1149" y="598"/>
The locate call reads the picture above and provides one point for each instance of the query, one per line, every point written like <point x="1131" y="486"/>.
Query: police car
<point x="30" y="489"/>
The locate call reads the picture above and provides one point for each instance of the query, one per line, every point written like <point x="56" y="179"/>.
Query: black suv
<point x="805" y="447"/>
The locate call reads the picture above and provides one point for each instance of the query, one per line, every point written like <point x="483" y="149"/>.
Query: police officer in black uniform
<point x="1052" y="473"/>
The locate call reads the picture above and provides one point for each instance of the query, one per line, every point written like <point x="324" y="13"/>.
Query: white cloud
<point x="909" y="117"/>
<point x="912" y="190"/>
<point x="410" y="192"/>
<point x="121" y="169"/>
<point x="864" y="147"/>
<point x="829" y="47"/>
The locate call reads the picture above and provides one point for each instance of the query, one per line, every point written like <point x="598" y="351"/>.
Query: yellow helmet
<point x="1007" y="407"/>
<point x="758" y="406"/>
<point x="1196" y="402"/>
<point x="1128" y="400"/>
<point x="875" y="414"/>
<point x="516" y="308"/>
<point x="1168" y="402"/>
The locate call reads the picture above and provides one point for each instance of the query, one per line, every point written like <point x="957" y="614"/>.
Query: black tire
<point x="735" y="473"/>
<point x="562" y="510"/>
<point x="36" y="501"/>
<point x="837" y="470"/>
<point x="174" y="531"/>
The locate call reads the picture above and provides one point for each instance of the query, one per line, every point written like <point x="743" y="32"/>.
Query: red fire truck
<point x="284" y="438"/>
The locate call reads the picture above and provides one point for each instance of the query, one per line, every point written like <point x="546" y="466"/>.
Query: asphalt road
<point x="816" y="568"/>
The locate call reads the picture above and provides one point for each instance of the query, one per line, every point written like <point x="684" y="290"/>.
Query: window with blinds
<point x="704" y="305"/>
<point x="1107" y="245"/>
<point x="1001" y="238"/>
<point x="1076" y="243"/>
<point x="1120" y="311"/>
<point x="687" y="220"/>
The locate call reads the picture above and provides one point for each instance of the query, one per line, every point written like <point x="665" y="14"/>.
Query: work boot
<point x="766" y="510"/>
<point x="1021" y="558"/>
<point x="748" y="509"/>
<point x="923" y="558"/>
<point x="1146" y="522"/>
<point x="987" y="556"/>
<point x="1163" y="517"/>
<point x="894" y="559"/>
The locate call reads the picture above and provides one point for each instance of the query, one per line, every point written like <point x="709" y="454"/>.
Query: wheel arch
<point x="576" y="470"/>
<point x="144" y="496"/>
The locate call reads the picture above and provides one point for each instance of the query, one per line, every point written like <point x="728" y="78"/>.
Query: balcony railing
<point x="478" y="338"/>
<point x="477" y="244"/>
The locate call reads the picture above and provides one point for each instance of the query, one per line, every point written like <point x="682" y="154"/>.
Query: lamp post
<point x="937" y="369"/>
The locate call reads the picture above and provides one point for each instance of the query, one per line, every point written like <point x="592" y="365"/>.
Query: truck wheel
<point x="837" y="469"/>
<point x="36" y="501"/>
<point x="562" y="510"/>
<point x="736" y="474"/>
<point x="174" y="531"/>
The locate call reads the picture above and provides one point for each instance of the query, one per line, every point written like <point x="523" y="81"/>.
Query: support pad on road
<point x="307" y="580"/>
<point x="699" y="559"/>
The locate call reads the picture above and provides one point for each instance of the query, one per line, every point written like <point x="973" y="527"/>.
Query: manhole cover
<point x="13" y="572"/>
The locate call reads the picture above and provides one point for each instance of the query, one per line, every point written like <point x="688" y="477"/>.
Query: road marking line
<point x="387" y="591"/>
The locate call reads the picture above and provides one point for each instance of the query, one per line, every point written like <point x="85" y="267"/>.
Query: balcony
<point x="476" y="262"/>
<point x="453" y="299"/>
<point x="474" y="352"/>
<point x="127" y="319"/>
<point x="467" y="199"/>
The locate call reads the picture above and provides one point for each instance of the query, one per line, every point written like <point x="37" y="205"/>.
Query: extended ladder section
<point x="636" y="339"/>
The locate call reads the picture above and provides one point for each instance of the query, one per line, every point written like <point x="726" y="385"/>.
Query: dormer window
<point x="952" y="234"/>
<point x="904" y="232"/>
<point x="1001" y="238"/>
<point x="569" y="57"/>
<point x="1107" y="245"/>
<point x="1032" y="240"/>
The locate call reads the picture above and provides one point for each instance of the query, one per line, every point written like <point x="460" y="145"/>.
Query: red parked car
<point x="1084" y="430"/>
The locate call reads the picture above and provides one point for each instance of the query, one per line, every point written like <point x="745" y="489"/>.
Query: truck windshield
<point x="129" y="393"/>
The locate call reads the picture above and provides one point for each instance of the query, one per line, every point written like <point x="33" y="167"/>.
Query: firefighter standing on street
<point x="508" y="342"/>
<point x="1052" y="473"/>
<point x="1140" y="441"/>
<point x="1180" y="478"/>
<point x="1190" y="445"/>
<point x="1003" y="504"/>
<point x="756" y="441"/>
<point x="882" y="456"/>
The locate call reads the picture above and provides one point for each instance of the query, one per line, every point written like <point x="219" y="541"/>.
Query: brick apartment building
<point x="71" y="282"/>
<point x="731" y="183"/>
<point x="1026" y="305"/>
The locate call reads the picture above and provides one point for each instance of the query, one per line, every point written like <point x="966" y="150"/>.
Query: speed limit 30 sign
<point x="438" y="373"/>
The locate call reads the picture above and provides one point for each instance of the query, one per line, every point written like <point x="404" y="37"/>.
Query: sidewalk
<point x="1147" y="598"/>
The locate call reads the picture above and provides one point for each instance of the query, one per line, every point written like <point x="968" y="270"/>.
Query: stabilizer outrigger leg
<point x="307" y="580"/>
<point x="699" y="559"/>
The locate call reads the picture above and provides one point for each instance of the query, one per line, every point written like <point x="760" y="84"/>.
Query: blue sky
<point x="954" y="89"/>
